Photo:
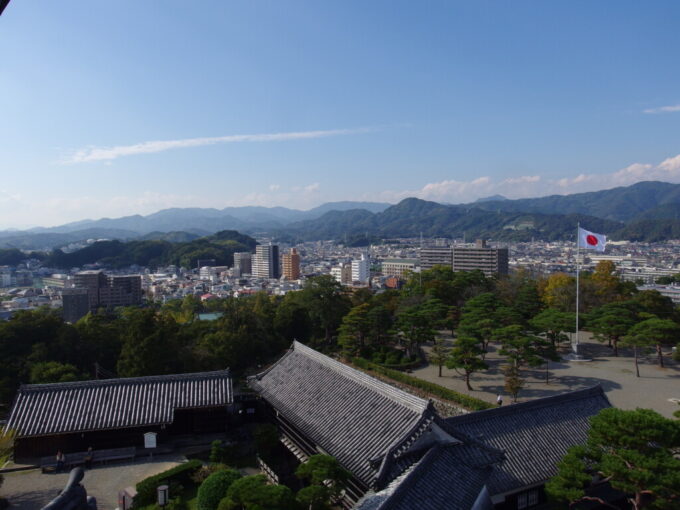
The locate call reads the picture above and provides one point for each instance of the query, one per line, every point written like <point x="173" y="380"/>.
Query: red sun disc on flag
<point x="591" y="240"/>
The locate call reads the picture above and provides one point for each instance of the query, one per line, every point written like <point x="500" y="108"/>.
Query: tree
<point x="656" y="332"/>
<point x="322" y="471"/>
<point x="354" y="329"/>
<point x="611" y="322"/>
<point x="559" y="291"/>
<point x="53" y="372"/>
<point x="553" y="324"/>
<point x="439" y="353"/>
<point x="214" y="488"/>
<point x="520" y="347"/>
<point x="468" y="356"/>
<point x="513" y="382"/>
<point x="323" y="297"/>
<point x="632" y="450"/>
<point x="415" y="328"/>
<point x="253" y="493"/>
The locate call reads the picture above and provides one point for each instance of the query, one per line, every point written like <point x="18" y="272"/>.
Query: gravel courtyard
<point x="653" y="389"/>
<point x="31" y="490"/>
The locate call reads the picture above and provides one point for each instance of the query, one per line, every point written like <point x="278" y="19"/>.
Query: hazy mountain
<point x="492" y="198"/>
<point x="619" y="204"/>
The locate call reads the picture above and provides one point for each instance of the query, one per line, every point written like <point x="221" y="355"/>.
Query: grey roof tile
<point x="46" y="409"/>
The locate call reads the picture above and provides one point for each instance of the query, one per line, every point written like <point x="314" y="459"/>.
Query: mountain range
<point x="646" y="211"/>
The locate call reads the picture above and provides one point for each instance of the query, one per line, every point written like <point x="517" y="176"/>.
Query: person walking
<point x="61" y="461"/>
<point x="499" y="400"/>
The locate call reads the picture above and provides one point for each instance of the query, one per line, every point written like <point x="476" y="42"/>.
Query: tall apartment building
<point x="342" y="273"/>
<point x="431" y="256"/>
<point x="266" y="261"/>
<point x="291" y="265"/>
<point x="489" y="260"/>
<point x="243" y="263"/>
<point x="361" y="269"/>
<point x="102" y="292"/>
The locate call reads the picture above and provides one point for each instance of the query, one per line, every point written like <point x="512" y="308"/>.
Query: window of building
<point x="527" y="499"/>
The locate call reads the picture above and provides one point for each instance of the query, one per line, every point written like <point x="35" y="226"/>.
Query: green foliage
<point x="439" y="353"/>
<point x="466" y="356"/>
<point x="326" y="304"/>
<point x="146" y="489"/>
<point x="314" y="497"/>
<point x="53" y="372"/>
<point x="471" y="403"/>
<point x="633" y="450"/>
<point x="323" y="468"/>
<point x="553" y="323"/>
<point x="154" y="253"/>
<point x="520" y="347"/>
<point x="513" y="382"/>
<point x="214" y="488"/>
<point x="253" y="493"/>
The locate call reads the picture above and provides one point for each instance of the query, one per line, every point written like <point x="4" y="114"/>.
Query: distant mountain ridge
<point x="646" y="211"/>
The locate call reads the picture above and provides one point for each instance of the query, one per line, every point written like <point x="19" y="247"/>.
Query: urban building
<point x="75" y="304"/>
<point x="490" y="261"/>
<point x="361" y="269"/>
<point x="435" y="256"/>
<point x="342" y="273"/>
<point x="291" y="265"/>
<point x="398" y="267"/>
<point x="243" y="263"/>
<point x="266" y="261"/>
<point x="104" y="291"/>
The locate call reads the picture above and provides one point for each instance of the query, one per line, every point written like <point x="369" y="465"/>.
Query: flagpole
<point x="578" y="229"/>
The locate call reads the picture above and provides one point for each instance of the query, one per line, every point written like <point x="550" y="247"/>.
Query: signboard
<point x="150" y="440"/>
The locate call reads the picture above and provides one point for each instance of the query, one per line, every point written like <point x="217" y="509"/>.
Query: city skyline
<point x="118" y="111"/>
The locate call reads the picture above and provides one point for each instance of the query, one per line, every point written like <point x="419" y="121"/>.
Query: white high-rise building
<point x="266" y="263"/>
<point x="361" y="269"/>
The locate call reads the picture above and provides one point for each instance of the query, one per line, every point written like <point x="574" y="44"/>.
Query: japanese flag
<point x="591" y="240"/>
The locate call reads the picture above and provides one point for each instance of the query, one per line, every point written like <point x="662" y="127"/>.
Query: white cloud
<point x="274" y="187"/>
<point x="527" y="186"/>
<point x="109" y="153"/>
<point x="312" y="188"/>
<point x="663" y="109"/>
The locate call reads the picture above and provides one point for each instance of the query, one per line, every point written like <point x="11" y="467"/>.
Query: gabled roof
<point x="354" y="417"/>
<point x="62" y="408"/>
<point x="448" y="477"/>
<point x="534" y="435"/>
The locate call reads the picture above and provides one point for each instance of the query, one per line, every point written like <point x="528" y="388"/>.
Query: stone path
<point x="652" y="389"/>
<point x="31" y="490"/>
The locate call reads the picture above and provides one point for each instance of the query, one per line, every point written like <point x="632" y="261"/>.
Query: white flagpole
<point x="578" y="229"/>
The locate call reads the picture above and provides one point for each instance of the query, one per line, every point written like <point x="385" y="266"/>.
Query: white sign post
<point x="150" y="442"/>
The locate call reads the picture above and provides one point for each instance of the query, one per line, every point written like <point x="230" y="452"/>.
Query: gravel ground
<point x="653" y="389"/>
<point x="31" y="490"/>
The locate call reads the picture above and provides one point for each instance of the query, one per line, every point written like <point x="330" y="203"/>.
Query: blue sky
<point x="117" y="108"/>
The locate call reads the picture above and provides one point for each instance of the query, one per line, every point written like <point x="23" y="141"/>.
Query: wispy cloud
<point x="663" y="109"/>
<point x="89" y="154"/>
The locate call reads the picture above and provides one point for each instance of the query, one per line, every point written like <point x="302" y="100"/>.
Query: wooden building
<point x="117" y="412"/>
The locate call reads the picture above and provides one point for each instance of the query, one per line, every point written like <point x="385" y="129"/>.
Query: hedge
<point x="471" y="403"/>
<point x="214" y="488"/>
<point x="146" y="489"/>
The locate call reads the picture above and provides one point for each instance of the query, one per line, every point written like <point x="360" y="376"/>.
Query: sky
<point x="110" y="109"/>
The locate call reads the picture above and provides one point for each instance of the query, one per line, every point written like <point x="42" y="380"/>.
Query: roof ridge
<point x="569" y="396"/>
<point x="417" y="404"/>
<point x="124" y="380"/>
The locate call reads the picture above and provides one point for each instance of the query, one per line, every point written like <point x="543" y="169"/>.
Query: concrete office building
<point x="291" y="265"/>
<point x="342" y="273"/>
<point x="431" y="256"/>
<point x="102" y="292"/>
<point x="398" y="267"/>
<point x="243" y="263"/>
<point x="489" y="260"/>
<point x="266" y="261"/>
<point x="75" y="304"/>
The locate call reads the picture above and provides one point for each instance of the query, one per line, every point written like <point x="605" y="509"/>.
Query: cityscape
<point x="297" y="255"/>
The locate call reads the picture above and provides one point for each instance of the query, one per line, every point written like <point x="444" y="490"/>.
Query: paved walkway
<point x="652" y="389"/>
<point x="31" y="490"/>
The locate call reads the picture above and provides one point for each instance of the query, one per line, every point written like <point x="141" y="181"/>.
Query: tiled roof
<point x="354" y="417"/>
<point x="448" y="477"/>
<point x="46" y="409"/>
<point x="534" y="435"/>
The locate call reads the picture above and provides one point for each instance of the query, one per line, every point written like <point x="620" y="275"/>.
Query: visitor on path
<point x="499" y="400"/>
<point x="88" y="458"/>
<point x="61" y="461"/>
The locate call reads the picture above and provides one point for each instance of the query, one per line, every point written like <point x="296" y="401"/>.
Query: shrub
<point x="471" y="403"/>
<point x="214" y="488"/>
<point x="205" y="471"/>
<point x="146" y="489"/>
<point x="216" y="451"/>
